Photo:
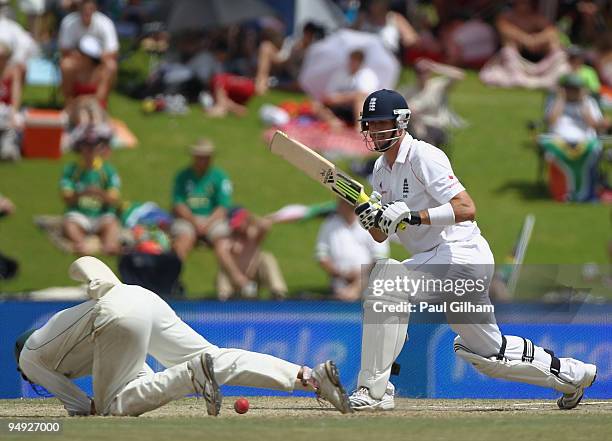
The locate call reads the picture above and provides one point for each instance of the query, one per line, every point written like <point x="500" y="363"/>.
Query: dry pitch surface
<point x="273" y="418"/>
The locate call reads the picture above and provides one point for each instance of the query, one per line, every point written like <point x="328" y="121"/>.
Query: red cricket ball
<point x="241" y="405"/>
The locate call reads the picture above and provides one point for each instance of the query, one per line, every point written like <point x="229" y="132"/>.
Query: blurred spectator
<point x="572" y="114"/>
<point x="8" y="266"/>
<point x="90" y="190"/>
<point x="284" y="62"/>
<point x="531" y="55"/>
<point x="603" y="58"/>
<point x="89" y="47"/>
<point x="393" y="28"/>
<point x="576" y="58"/>
<point x="344" y="249"/>
<point x="572" y="147"/>
<point x="6" y="206"/>
<point x="247" y="236"/>
<point x="34" y="11"/>
<point x="431" y="115"/>
<point x="16" y="47"/>
<point x="346" y="92"/>
<point x="201" y="199"/>
<point x="468" y="43"/>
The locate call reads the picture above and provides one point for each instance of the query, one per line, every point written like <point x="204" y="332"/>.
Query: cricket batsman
<point x="418" y="197"/>
<point x="110" y="336"/>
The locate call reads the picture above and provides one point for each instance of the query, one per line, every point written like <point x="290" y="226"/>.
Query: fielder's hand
<point x="391" y="215"/>
<point x="368" y="211"/>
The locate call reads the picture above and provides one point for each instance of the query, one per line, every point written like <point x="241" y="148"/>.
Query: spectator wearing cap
<point x="247" y="235"/>
<point x="576" y="58"/>
<point x="573" y="115"/>
<point x="90" y="190"/>
<point x="89" y="45"/>
<point x="572" y="147"/>
<point x="201" y="199"/>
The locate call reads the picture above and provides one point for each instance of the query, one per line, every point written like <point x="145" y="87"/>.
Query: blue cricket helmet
<point x="383" y="105"/>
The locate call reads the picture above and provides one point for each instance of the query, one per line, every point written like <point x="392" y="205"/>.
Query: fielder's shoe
<point x="569" y="401"/>
<point x="361" y="399"/>
<point x="329" y="388"/>
<point x="203" y="378"/>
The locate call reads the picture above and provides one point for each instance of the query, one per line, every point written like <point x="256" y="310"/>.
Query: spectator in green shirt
<point x="201" y="198"/>
<point x="90" y="190"/>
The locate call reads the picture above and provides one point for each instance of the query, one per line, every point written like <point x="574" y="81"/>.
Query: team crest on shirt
<point x="405" y="189"/>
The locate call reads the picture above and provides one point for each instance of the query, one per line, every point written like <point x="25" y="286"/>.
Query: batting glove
<point x="391" y="215"/>
<point x="368" y="211"/>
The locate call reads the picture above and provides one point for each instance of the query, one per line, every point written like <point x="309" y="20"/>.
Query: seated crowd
<point x="520" y="44"/>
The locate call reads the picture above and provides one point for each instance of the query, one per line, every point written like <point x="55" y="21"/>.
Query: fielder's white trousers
<point x="126" y="324"/>
<point x="382" y="340"/>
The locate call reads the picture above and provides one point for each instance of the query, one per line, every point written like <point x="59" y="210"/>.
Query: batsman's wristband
<point x="442" y="216"/>
<point x="415" y="218"/>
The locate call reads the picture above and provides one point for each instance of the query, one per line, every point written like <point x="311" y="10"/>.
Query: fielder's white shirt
<point x="101" y="27"/>
<point x="347" y="246"/>
<point x="423" y="178"/>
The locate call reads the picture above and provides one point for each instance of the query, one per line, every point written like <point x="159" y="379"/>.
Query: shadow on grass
<point x="533" y="191"/>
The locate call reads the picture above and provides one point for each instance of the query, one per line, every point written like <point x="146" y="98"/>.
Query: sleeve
<point x="323" y="243"/>
<point x="75" y="401"/>
<point x="594" y="110"/>
<point x="65" y="37"/>
<point x="114" y="181"/>
<point x="66" y="181"/>
<point x="437" y="175"/>
<point x="224" y="189"/>
<point x="367" y="81"/>
<point x="379" y="250"/>
<point x="179" y="195"/>
<point x="111" y="42"/>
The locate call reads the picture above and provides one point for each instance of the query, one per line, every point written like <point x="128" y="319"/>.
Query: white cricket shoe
<point x="329" y="388"/>
<point x="361" y="399"/>
<point x="203" y="378"/>
<point x="569" y="401"/>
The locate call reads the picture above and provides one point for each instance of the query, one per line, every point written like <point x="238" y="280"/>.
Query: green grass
<point x="489" y="156"/>
<point x="462" y="427"/>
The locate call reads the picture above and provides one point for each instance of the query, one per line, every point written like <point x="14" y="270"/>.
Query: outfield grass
<point x="273" y="418"/>
<point x="489" y="156"/>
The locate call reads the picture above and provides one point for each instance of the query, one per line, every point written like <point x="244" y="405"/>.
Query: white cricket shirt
<point x="101" y="27"/>
<point x="423" y="178"/>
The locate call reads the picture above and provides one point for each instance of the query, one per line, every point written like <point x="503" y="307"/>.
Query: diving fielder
<point x="415" y="184"/>
<point x="110" y="336"/>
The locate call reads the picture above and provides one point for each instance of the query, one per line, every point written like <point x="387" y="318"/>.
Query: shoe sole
<point x="334" y="376"/>
<point x="213" y="400"/>
<point x="378" y="407"/>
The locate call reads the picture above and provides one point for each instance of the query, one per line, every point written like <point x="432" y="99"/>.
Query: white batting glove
<point x="368" y="211"/>
<point x="391" y="215"/>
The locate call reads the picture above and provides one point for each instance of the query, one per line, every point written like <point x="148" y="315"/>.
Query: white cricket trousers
<point x="110" y="339"/>
<point x="130" y="325"/>
<point x="382" y="340"/>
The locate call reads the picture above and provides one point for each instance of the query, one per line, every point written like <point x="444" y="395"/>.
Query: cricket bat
<point x="320" y="169"/>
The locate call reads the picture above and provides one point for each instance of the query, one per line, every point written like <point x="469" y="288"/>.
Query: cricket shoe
<point x="203" y="378"/>
<point x="569" y="401"/>
<point x="328" y="386"/>
<point x="362" y="400"/>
